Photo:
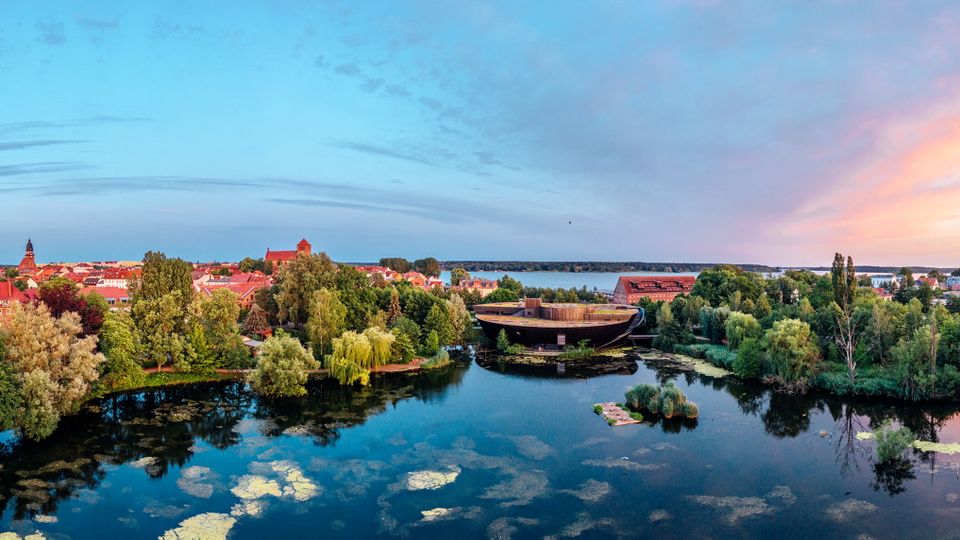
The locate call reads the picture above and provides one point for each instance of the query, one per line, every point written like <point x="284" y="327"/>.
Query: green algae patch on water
<point x="941" y="448"/>
<point x="419" y="480"/>
<point x="209" y="526"/>
<point x="864" y="435"/>
<point x="687" y="363"/>
<point x="253" y="486"/>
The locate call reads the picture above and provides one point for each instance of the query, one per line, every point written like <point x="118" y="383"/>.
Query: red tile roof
<point x="9" y="292"/>
<point x="657" y="284"/>
<point x="289" y="255"/>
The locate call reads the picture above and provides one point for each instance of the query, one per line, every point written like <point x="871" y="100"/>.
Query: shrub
<point x="749" y="359"/>
<point x="441" y="359"/>
<point x="892" y="442"/>
<point x="597" y="409"/>
<point x="667" y="401"/>
<point x="740" y="327"/>
<point x="792" y="350"/>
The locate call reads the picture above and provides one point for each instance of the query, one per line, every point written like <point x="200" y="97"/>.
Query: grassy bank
<point x="155" y="380"/>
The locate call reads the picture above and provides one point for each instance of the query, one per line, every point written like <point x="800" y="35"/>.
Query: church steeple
<point x="29" y="246"/>
<point x="28" y="264"/>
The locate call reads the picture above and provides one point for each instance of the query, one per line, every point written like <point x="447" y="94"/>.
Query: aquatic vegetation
<point x="196" y="481"/>
<point x="208" y="526"/>
<point x="445" y="514"/>
<point x="532" y="447"/>
<point x="850" y="509"/>
<point x="583" y="524"/>
<point x="892" y="442"/>
<point x="942" y="448"/>
<point x="591" y="491"/>
<point x="252" y="508"/>
<point x="43" y="518"/>
<point x="667" y="401"/>
<point x="659" y="515"/>
<point x="504" y="528"/>
<point x="621" y="463"/>
<point x="439" y="360"/>
<point x="783" y="494"/>
<point x="252" y="486"/>
<point x="14" y="536"/>
<point x="431" y="479"/>
<point x="521" y="489"/>
<point x="737" y="508"/>
<point x="436" y="514"/>
<point x="864" y="435"/>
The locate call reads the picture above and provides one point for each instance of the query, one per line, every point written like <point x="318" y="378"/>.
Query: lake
<point x="476" y="452"/>
<point x="603" y="281"/>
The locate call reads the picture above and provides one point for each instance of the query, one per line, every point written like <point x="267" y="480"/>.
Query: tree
<point x="255" y="265"/>
<point x="432" y="343"/>
<point x="503" y="342"/>
<point x="457" y="275"/>
<point x="159" y="321"/>
<point x="357" y="296"/>
<point x="282" y="369"/>
<point x="438" y="321"/>
<point x="844" y="279"/>
<point x="459" y="318"/>
<point x="161" y="276"/>
<point x="394" y="312"/>
<point x="328" y="319"/>
<point x="749" y="359"/>
<point x="220" y="312"/>
<point x="354" y="355"/>
<point x="403" y="350"/>
<point x="792" y="349"/>
<point x="297" y="280"/>
<point x="11" y="273"/>
<point x="907" y="274"/>
<point x="670" y="331"/>
<point x="410" y="328"/>
<point x="740" y="327"/>
<point x="54" y="366"/>
<point x="120" y="345"/>
<point x="427" y="266"/>
<point x="381" y="343"/>
<point x="501" y="294"/>
<point x="718" y="284"/>
<point x="510" y="284"/>
<point x="255" y="324"/>
<point x="198" y="356"/>
<point x="913" y="358"/>
<point x="397" y="264"/>
<point x="61" y="295"/>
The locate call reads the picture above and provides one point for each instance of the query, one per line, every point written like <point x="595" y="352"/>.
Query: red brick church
<point x="280" y="258"/>
<point x="28" y="264"/>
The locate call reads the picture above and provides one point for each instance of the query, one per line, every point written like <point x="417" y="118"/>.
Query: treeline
<point x="891" y="269"/>
<point x="804" y="330"/>
<point x="590" y="266"/>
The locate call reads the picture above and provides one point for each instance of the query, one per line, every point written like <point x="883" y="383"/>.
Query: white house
<point x="883" y="280"/>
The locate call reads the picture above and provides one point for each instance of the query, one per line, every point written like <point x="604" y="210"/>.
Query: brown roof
<point x="281" y="255"/>
<point x="657" y="284"/>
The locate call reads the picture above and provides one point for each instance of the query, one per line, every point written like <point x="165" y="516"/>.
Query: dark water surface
<point x="498" y="453"/>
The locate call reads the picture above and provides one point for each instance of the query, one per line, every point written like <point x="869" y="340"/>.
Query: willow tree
<point x="381" y="343"/>
<point x="282" y="369"/>
<point x="351" y="357"/>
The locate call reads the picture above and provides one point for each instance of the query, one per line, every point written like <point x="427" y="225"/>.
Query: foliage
<point x="62" y="295"/>
<point x="504" y="345"/>
<point x="667" y="400"/>
<point x="428" y="266"/>
<point x="120" y="344"/>
<point x="740" y="327"/>
<point x="457" y="275"/>
<point x="459" y="319"/>
<point x="282" y="367"/>
<point x="397" y="264"/>
<point x="581" y="350"/>
<point x="255" y="265"/>
<point x="160" y="277"/>
<point x="403" y="349"/>
<point x="53" y="364"/>
<point x="891" y="442"/>
<point x="327" y="320"/>
<point x="297" y="280"/>
<point x="159" y="321"/>
<point x="713" y="323"/>
<point x="438" y="321"/>
<point x="439" y="360"/>
<point x="501" y="294"/>
<point x="10" y="396"/>
<point x="357" y="296"/>
<point x="717" y="355"/>
<point x="791" y="349"/>
<point x="719" y="284"/>
<point x="670" y="331"/>
<point x="749" y="361"/>
<point x="432" y="343"/>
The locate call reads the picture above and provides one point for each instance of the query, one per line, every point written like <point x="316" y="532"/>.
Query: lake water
<point x="496" y="453"/>
<point x="603" y="281"/>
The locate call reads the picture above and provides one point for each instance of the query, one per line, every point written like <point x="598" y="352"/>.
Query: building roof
<point x="287" y="255"/>
<point x="8" y="291"/>
<point x="656" y="284"/>
<point x="115" y="293"/>
<point x="303" y="243"/>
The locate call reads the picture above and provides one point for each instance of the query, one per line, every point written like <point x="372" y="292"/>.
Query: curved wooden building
<point x="533" y="323"/>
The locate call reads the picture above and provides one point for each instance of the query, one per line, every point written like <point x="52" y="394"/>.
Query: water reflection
<point x="159" y="429"/>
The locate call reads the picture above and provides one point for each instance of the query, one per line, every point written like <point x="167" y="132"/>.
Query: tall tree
<point x="843" y="276"/>
<point x="427" y="266"/>
<point x="327" y="320"/>
<point x="457" y="275"/>
<point x="120" y="345"/>
<point x="62" y="295"/>
<point x="160" y="276"/>
<point x="394" y="312"/>
<point x="397" y="264"/>
<point x="297" y="280"/>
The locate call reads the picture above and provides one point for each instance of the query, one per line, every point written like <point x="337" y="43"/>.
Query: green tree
<point x="427" y="266"/>
<point x="357" y="296"/>
<point x="740" y="327"/>
<point x="297" y="281"/>
<point x="792" y="349"/>
<point x="913" y="358"/>
<point x="410" y="328"/>
<point x="891" y="442"/>
<point x="459" y="318"/>
<point x="843" y="276"/>
<point x="501" y="294"/>
<point x="381" y="346"/>
<point x="438" y="321"/>
<point x="503" y="342"/>
<point x="159" y="321"/>
<point x="328" y="319"/>
<point x="457" y="275"/>
<point x="120" y="344"/>
<point x="394" y="312"/>
<point x="432" y="344"/>
<point x="159" y="277"/>
<point x="670" y="331"/>
<point x="11" y="273"/>
<point x="510" y="284"/>
<point x="749" y="361"/>
<point x="351" y="359"/>
<point x="403" y="350"/>
<point x="397" y="264"/>
<point x="198" y="356"/>
<point x="282" y="369"/>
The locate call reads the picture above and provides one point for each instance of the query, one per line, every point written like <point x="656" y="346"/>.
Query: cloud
<point x="51" y="33"/>
<point x="349" y="69"/>
<point x="43" y="167"/>
<point x="98" y="24"/>
<point x="429" y="214"/>
<point x="34" y="125"/>
<point x="19" y="145"/>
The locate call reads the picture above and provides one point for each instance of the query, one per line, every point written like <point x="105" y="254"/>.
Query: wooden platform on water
<point x="615" y="415"/>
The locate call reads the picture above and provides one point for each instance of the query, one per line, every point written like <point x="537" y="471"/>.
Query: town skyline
<point x="663" y="131"/>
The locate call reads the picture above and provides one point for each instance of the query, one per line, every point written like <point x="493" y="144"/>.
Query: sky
<point x="693" y="131"/>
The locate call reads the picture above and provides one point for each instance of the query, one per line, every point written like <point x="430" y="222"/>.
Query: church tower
<point x="28" y="263"/>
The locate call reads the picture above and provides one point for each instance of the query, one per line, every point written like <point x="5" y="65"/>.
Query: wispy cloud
<point x="19" y="145"/>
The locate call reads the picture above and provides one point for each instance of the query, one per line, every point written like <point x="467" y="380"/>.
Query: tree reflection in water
<point x="165" y="424"/>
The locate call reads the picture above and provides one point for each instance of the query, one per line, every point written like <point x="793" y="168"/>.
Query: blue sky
<point x="773" y="132"/>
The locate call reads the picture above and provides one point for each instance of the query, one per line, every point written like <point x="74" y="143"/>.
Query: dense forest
<point x="591" y="266"/>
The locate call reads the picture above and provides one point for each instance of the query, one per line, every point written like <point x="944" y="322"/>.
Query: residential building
<point x="9" y="296"/>
<point x="630" y="289"/>
<point x="883" y="280"/>
<point x="479" y="285"/>
<point x="115" y="296"/>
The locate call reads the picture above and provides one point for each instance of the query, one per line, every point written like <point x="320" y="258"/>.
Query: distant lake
<point x="604" y="281"/>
